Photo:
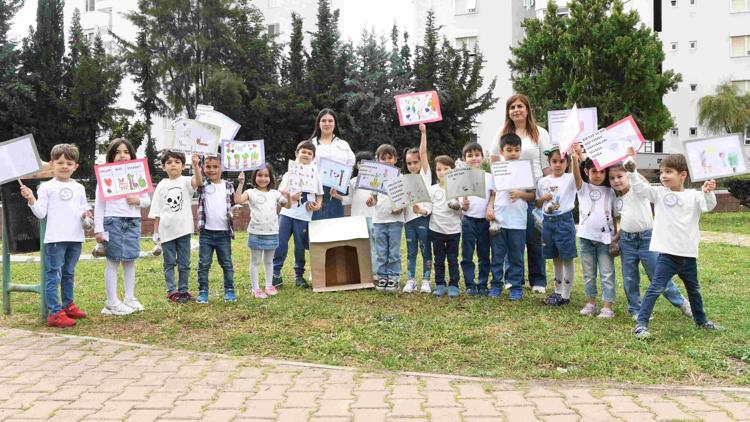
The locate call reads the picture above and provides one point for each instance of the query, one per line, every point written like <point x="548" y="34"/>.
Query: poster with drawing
<point x="194" y="137"/>
<point x="609" y="146"/>
<point x="303" y="177"/>
<point x="229" y="127"/>
<point x="372" y="175"/>
<point x="120" y="179"/>
<point x="714" y="158"/>
<point x="465" y="181"/>
<point x="407" y="190"/>
<point x="334" y="174"/>
<point x="418" y="107"/>
<point x="19" y="157"/>
<point x="242" y="156"/>
<point x="556" y="119"/>
<point x="511" y="175"/>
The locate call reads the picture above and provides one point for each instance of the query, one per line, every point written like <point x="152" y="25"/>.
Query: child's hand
<point x="709" y="185"/>
<point x="133" y="200"/>
<point x="196" y="159"/>
<point x="156" y="238"/>
<point x="417" y="209"/>
<point x="422" y="128"/>
<point x="465" y="203"/>
<point x="547" y="197"/>
<point x="28" y="194"/>
<point x="631" y="152"/>
<point x="397" y="211"/>
<point x="336" y="194"/>
<point x="99" y="237"/>
<point x="490" y="214"/>
<point x="241" y="179"/>
<point x="514" y="194"/>
<point x="87" y="214"/>
<point x="296" y="196"/>
<point x="372" y="201"/>
<point x="629" y="164"/>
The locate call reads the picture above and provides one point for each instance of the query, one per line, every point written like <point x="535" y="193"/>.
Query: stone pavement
<point x="66" y="378"/>
<point x="733" y="239"/>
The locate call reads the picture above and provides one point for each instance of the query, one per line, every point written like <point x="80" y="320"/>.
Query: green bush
<point x="739" y="187"/>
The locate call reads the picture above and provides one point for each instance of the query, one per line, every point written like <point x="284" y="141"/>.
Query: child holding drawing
<point x="62" y="201"/>
<point x="445" y="230"/>
<point x="117" y="225"/>
<point x="356" y="198"/>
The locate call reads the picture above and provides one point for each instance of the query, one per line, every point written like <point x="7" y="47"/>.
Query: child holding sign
<point x="117" y="224"/>
<point x="417" y="220"/>
<point x="356" y="198"/>
<point x="445" y="230"/>
<point x="62" y="201"/>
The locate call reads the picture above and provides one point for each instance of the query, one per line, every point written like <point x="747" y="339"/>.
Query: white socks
<point x="565" y="273"/>
<point x="258" y="256"/>
<point x="110" y="280"/>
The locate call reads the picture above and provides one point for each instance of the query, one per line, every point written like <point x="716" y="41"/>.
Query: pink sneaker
<point x="259" y="294"/>
<point x="606" y="313"/>
<point x="588" y="310"/>
<point x="271" y="291"/>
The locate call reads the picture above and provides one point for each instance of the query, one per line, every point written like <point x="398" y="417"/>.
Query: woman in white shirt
<point x="329" y="145"/>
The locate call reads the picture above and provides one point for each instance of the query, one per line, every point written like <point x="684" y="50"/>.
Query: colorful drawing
<point x="372" y="175"/>
<point x="714" y="158"/>
<point x="192" y="136"/>
<point x="609" y="146"/>
<point x="407" y="190"/>
<point x="465" y="181"/>
<point x="334" y="174"/>
<point x="242" y="156"/>
<point x="303" y="177"/>
<point x="131" y="177"/>
<point x="418" y="107"/>
<point x="18" y="158"/>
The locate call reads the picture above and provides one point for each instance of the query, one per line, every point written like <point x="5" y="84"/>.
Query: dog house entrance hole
<point x="342" y="266"/>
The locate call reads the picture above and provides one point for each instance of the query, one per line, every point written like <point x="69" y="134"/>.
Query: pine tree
<point x="16" y="95"/>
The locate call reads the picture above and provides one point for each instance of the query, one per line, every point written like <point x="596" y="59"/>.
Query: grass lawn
<point x="466" y="336"/>
<point x="729" y="222"/>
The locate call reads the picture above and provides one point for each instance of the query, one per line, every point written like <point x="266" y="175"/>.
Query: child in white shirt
<point x="357" y="198"/>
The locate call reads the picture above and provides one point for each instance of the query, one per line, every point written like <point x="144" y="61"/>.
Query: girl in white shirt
<point x="263" y="230"/>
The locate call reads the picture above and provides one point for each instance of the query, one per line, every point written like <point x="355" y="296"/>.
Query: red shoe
<point x="60" y="320"/>
<point x="72" y="311"/>
<point x="174" y="297"/>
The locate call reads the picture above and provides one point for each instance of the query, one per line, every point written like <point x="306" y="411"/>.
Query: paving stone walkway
<point x="733" y="239"/>
<point x="66" y="378"/>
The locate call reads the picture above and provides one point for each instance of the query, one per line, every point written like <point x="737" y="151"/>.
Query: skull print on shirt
<point x="174" y="199"/>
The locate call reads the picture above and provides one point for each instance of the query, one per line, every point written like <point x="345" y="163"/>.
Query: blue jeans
<point x="667" y="266"/>
<point x="289" y="227"/>
<point x="507" y="257"/>
<point x="177" y="251"/>
<point x="388" y="249"/>
<point x="475" y="232"/>
<point x="634" y="249"/>
<point x="534" y="256"/>
<point x="417" y="233"/>
<point x="60" y="259"/>
<point x="559" y="237"/>
<point x="332" y="207"/>
<point x="595" y="256"/>
<point x="445" y="245"/>
<point x="221" y="242"/>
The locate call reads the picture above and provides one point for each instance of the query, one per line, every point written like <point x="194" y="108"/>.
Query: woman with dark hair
<point x="329" y="145"/>
<point x="519" y="119"/>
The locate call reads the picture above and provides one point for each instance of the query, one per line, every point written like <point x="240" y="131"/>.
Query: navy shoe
<point x="277" y="281"/>
<point x="440" y="290"/>
<point x="556" y="300"/>
<point x="483" y="291"/>
<point x="515" y="295"/>
<point x="300" y="281"/>
<point x="472" y="291"/>
<point x="495" y="292"/>
<point x="453" y="291"/>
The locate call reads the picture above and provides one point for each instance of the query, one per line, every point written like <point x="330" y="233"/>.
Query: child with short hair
<point x="263" y="230"/>
<point x="172" y="211"/>
<point x="445" y="230"/>
<point x="215" y="197"/>
<point x="62" y="201"/>
<point x="509" y="210"/>
<point x="117" y="225"/>
<point x="294" y="221"/>
<point x="387" y="225"/>
<point x="676" y="235"/>
<point x="475" y="229"/>
<point x="556" y="194"/>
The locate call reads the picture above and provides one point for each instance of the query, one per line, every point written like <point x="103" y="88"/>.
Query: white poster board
<point x="18" y="158"/>
<point x="407" y="190"/>
<point x="511" y="175"/>
<point x="609" y="146"/>
<point x="718" y="157"/>
<point x="303" y="177"/>
<point x="229" y="127"/>
<point x="243" y="156"/>
<point x="372" y="175"/>
<point x="465" y="181"/>
<point x="194" y="137"/>
<point x="556" y="118"/>
<point x="334" y="174"/>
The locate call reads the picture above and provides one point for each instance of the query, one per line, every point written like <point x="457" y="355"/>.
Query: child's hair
<point x="361" y="156"/>
<point x="587" y="165"/>
<point x="675" y="162"/>
<point x="306" y="144"/>
<point x="69" y="151"/>
<point x="510" y="139"/>
<point x="210" y="157"/>
<point x="271" y="175"/>
<point x="617" y="166"/>
<point x="112" y="149"/>
<point x="408" y="151"/>
<point x="384" y="150"/>
<point x="472" y="147"/>
<point x="167" y="154"/>
<point x="445" y="160"/>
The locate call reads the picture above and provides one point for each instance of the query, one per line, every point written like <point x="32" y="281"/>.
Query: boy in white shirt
<point x="172" y="211"/>
<point x="63" y="202"/>
<point x="676" y="235"/>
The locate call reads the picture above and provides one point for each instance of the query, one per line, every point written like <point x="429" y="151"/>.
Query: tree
<point x="134" y="132"/>
<point x="598" y="56"/>
<point x="725" y="112"/>
<point x="15" y="95"/>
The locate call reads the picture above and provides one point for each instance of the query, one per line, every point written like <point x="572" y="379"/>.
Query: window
<point x="274" y="29"/>
<point x="673" y="3"/>
<point x="693" y="45"/>
<point x="675" y="131"/>
<point x="464" y="7"/>
<point x="90" y="5"/>
<point x="692" y="2"/>
<point x="747" y="136"/>
<point x="742" y="86"/>
<point x="648" y="146"/>
<point x="740" y="6"/>
<point x="471" y="6"/>
<point x="563" y="11"/>
<point x="693" y="87"/>
<point x="741" y="46"/>
<point x="468" y="42"/>
<point x="273" y="3"/>
<point x="693" y="131"/>
<point x="674" y="46"/>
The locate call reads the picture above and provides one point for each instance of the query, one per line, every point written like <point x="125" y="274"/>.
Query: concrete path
<point x="733" y="239"/>
<point x="65" y="378"/>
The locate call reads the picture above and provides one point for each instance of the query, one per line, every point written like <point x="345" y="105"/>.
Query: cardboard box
<point x="340" y="254"/>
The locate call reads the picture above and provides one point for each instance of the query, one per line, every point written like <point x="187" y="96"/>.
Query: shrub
<point x="739" y="187"/>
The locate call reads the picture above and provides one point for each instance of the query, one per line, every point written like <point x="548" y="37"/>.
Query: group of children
<point x="493" y="227"/>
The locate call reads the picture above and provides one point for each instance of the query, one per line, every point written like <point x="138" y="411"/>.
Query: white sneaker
<point x="685" y="309"/>
<point x="410" y="286"/>
<point x="118" y="309"/>
<point x="134" y="304"/>
<point x="508" y="286"/>
<point x="425" y="287"/>
<point x="539" y="289"/>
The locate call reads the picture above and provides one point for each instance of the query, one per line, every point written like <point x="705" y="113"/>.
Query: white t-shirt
<point x="117" y="208"/>
<point x="265" y="219"/>
<point x="298" y="210"/>
<point x="62" y="203"/>
<point x="477" y="205"/>
<point x="357" y="198"/>
<point x="337" y="150"/>
<point x="443" y="220"/>
<point x="563" y="190"/>
<point x="530" y="150"/>
<point x="215" y="195"/>
<point x="595" y="216"/>
<point x="635" y="213"/>
<point x="510" y="214"/>
<point x="677" y="216"/>
<point x="427" y="177"/>
<point x="384" y="211"/>
<point x="172" y="203"/>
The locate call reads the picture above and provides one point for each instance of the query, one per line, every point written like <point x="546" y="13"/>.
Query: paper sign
<point x="192" y="136"/>
<point x="229" y="127"/>
<point x="334" y="174"/>
<point x="556" y="118"/>
<point x="372" y="175"/>
<point x="18" y="158"/>
<point x="609" y="146"/>
<point x="465" y="182"/>
<point x="242" y="156"/>
<point x="303" y="177"/>
<point x="511" y="175"/>
<point x="571" y="128"/>
<point x="418" y="107"/>
<point x="118" y="180"/>
<point x="714" y="158"/>
<point x="407" y="190"/>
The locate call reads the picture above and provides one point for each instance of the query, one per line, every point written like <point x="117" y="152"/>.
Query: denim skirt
<point x="124" y="238"/>
<point x="262" y="241"/>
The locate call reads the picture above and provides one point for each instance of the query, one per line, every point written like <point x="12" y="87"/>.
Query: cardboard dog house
<point x="340" y="254"/>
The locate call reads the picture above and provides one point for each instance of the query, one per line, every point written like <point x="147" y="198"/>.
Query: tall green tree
<point x="599" y="56"/>
<point x="726" y="111"/>
<point x="15" y="95"/>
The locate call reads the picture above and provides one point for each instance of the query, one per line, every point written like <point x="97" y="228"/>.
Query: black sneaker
<point x="381" y="285"/>
<point x="392" y="285"/>
<point x="555" y="300"/>
<point x="301" y="282"/>
<point x="277" y="281"/>
<point x="710" y="326"/>
<point x="186" y="297"/>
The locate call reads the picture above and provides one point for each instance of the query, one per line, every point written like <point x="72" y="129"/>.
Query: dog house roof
<point x="338" y="229"/>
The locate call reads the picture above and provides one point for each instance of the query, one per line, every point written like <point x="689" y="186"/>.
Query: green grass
<point x="729" y="222"/>
<point x="466" y="336"/>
